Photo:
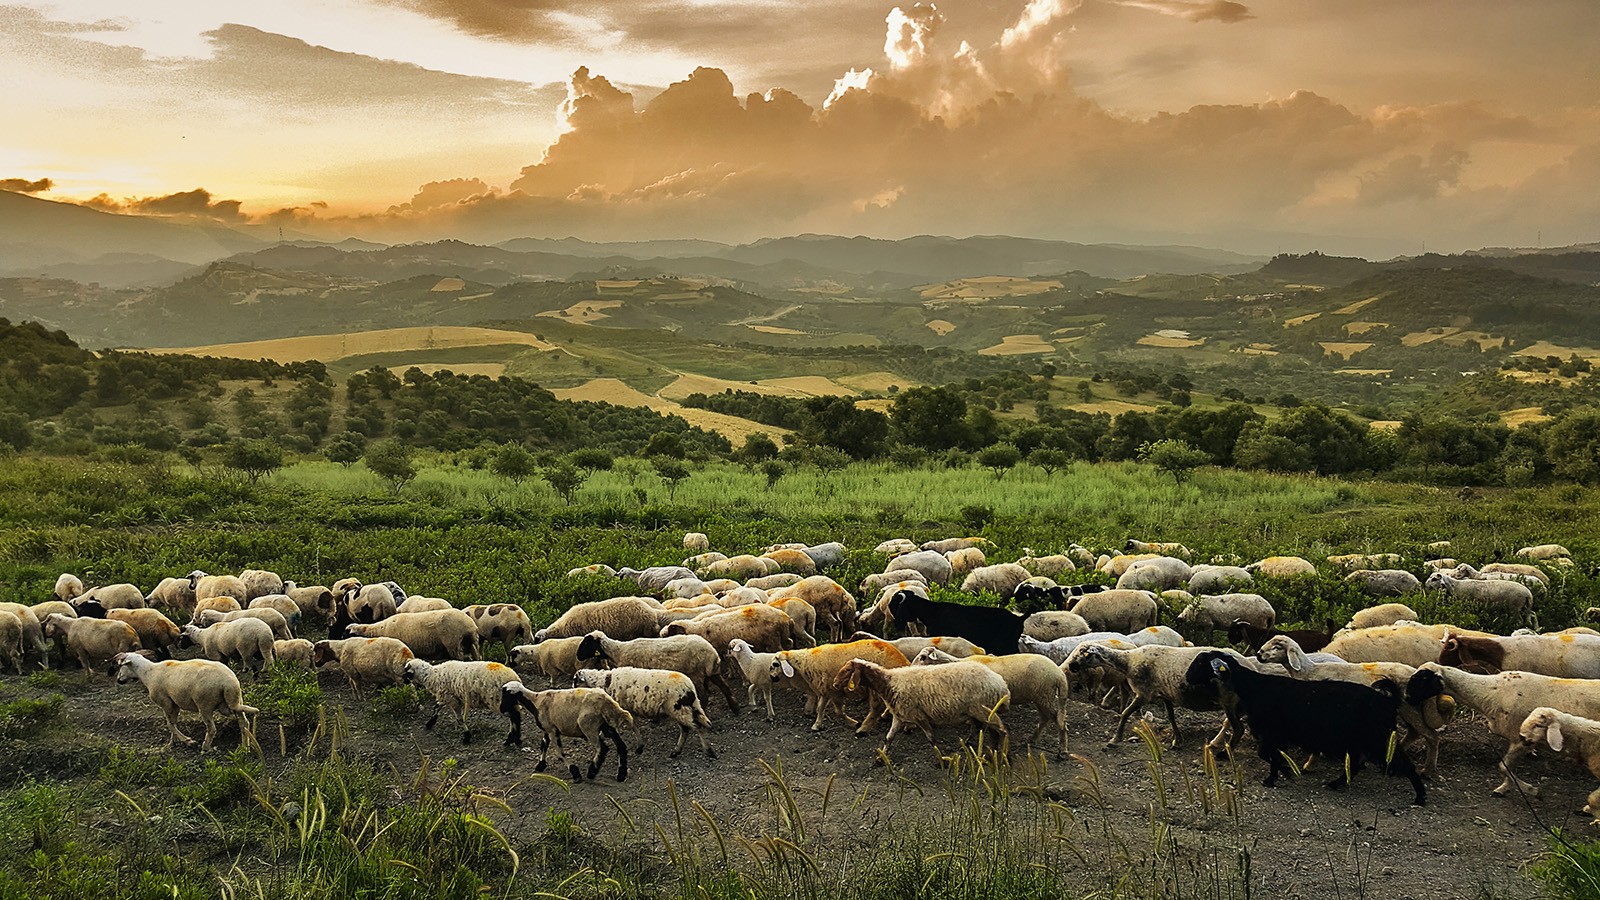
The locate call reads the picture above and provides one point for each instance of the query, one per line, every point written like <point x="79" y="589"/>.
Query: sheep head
<point x="1541" y="727"/>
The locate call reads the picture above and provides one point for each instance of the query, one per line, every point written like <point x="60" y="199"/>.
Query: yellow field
<point x="773" y="329"/>
<point x="1300" y="320"/>
<point x="1171" y="343"/>
<point x="1363" y="327"/>
<point x="584" y="312"/>
<point x="1113" y="407"/>
<point x="1540" y="377"/>
<point x="618" y="393"/>
<point x="1438" y="333"/>
<point x="1385" y="425"/>
<point x="1356" y="306"/>
<point x="493" y="370"/>
<point x="690" y="383"/>
<point x="616" y="285"/>
<point x="941" y="327"/>
<point x="1363" y="371"/>
<point x="1018" y="344"/>
<point x="986" y="287"/>
<point x="1346" y="350"/>
<point x="809" y="385"/>
<point x="1253" y="350"/>
<point x="1545" y="348"/>
<point x="1516" y="418"/>
<point x="448" y="286"/>
<point x="876" y="381"/>
<point x="881" y="404"/>
<point x="329" y="347"/>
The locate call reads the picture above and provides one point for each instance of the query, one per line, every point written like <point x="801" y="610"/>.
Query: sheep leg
<point x="1274" y="758"/>
<point x="433" y="719"/>
<point x="1172" y="719"/>
<point x="717" y="679"/>
<point x="1515" y="753"/>
<point x="606" y="731"/>
<point x="874" y="712"/>
<point x="561" y="750"/>
<point x="172" y="724"/>
<point x="466" y="730"/>
<point x="1122" y="722"/>
<point x="208" y="718"/>
<point x="683" y="734"/>
<point x="600" y="753"/>
<point x="544" y="753"/>
<point x="822" y="710"/>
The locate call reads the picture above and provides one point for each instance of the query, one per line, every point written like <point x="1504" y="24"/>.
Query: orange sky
<point x="1274" y="124"/>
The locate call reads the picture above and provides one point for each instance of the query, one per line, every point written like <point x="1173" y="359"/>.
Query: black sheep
<point x="994" y="629"/>
<point x="1334" y="719"/>
<point x="1242" y="632"/>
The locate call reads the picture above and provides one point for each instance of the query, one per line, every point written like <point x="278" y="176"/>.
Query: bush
<point x="391" y="461"/>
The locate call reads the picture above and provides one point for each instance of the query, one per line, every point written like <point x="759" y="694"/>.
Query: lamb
<point x="927" y="696"/>
<point x="1158" y="573"/>
<point x="33" y="635"/>
<point x="814" y="670"/>
<point x="315" y="601"/>
<point x="196" y="685"/>
<point x="1354" y="561"/>
<point x="1033" y="681"/>
<point x="768" y="582"/>
<point x="205" y="586"/>
<point x="364" y="661"/>
<point x="1545" y="551"/>
<point x="505" y="624"/>
<point x="113" y="596"/>
<point x="68" y="587"/>
<point x="1242" y="632"/>
<point x="825" y="556"/>
<point x="623" y="618"/>
<point x="1282" y="567"/>
<point x="368" y="603"/>
<point x="11" y="641"/>
<point x="696" y="542"/>
<point x="833" y="604"/>
<point x="965" y="561"/>
<point x="1505" y="701"/>
<point x="1383" y="614"/>
<point x="580" y="712"/>
<point x="659" y="695"/>
<point x="1116" y="610"/>
<point x="1152" y="672"/>
<point x="895" y="547"/>
<point x="295" y="652"/>
<point x="446" y="633"/>
<point x="931" y="564"/>
<point x="1209" y="579"/>
<point x="1426" y="724"/>
<point x="877" y="618"/>
<point x="1210" y="613"/>
<point x="793" y="561"/>
<point x="690" y="654"/>
<point x="460" y="685"/>
<point x="1556" y="655"/>
<point x="273" y="618"/>
<point x="94" y="642"/>
<point x="242" y="639"/>
<point x="260" y="583"/>
<point x="597" y="569"/>
<point x="1494" y="595"/>
<point x="1168" y="548"/>
<point x="284" y="605"/>
<point x="1001" y="579"/>
<point x="1054" y="623"/>
<point x="1568" y="735"/>
<point x="874" y="584"/>
<point x="1335" y="719"/>
<point x="759" y="625"/>
<point x="553" y="658"/>
<point x="985" y="626"/>
<point x="176" y="594"/>
<point x="1047" y="565"/>
<point x="741" y="567"/>
<point x="1383" y="582"/>
<point x="756" y="669"/>
<point x="156" y="632"/>
<point x="948" y="545"/>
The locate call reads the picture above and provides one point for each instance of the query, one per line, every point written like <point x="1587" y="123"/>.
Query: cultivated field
<point x="330" y="347"/>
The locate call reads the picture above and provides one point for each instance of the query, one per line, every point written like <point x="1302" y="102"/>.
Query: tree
<point x="774" y="470"/>
<point x="672" y="472"/>
<point x="827" y="458"/>
<point x="14" y="431"/>
<point x="254" y="458"/>
<point x="934" y="418"/>
<point x="591" y="459"/>
<point x="664" y="444"/>
<point x="758" y="448"/>
<point x="1176" y="458"/>
<point x="565" y="478"/>
<point x="346" y="449"/>
<point x="1050" y="459"/>
<point x="838" y="422"/>
<point x="391" y="461"/>
<point x="513" y="461"/>
<point x="999" y="457"/>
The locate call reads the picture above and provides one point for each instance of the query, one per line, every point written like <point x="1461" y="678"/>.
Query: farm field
<point x="795" y="812"/>
<point x="330" y="347"/>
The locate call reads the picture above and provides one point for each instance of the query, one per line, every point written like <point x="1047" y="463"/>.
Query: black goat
<point x="1334" y="719"/>
<point x="1242" y="632"/>
<point x="994" y="629"/>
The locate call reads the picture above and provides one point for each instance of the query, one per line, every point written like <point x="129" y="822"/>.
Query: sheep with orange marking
<point x="813" y="671"/>
<point x="461" y="686"/>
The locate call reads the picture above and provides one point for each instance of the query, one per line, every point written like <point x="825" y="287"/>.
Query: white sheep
<point x="1118" y="563"/>
<point x="205" y="586"/>
<point x="214" y="604"/>
<point x="623" y="618"/>
<point x="1157" y="574"/>
<point x="1151" y="672"/>
<point x="1054" y="623"/>
<point x="295" y="652"/>
<point x="1532" y="582"/>
<point x="1494" y="595"/>
<point x="156" y="631"/>
<point x="247" y="640"/>
<point x="596" y="569"/>
<point x="1211" y="612"/>
<point x="794" y="561"/>
<point x="959" y="543"/>
<point x="553" y="658"/>
<point x="197" y="685"/>
<point x="912" y="645"/>
<point x="1406" y="642"/>
<point x="741" y="567"/>
<point x="68" y="587"/>
<point x="364" y="661"/>
<point x="368" y="603"/>
<point x="1383" y="582"/>
<point x="803" y="613"/>
<point x="283" y="603"/>
<point x="274" y="619"/>
<point x="1562" y="655"/>
<point x="690" y="654"/>
<point x="33" y="636"/>
<point x="506" y="624"/>
<point x="931" y="564"/>
<point x="826" y="555"/>
<point x="696" y="542"/>
<point x="928" y="696"/>
<point x="659" y="695"/>
<point x="757" y="671"/>
<point x="1047" y="565"/>
<point x="768" y="582"/>
<point x="1115" y="610"/>
<point x="895" y="547"/>
<point x="834" y="605"/>
<point x="94" y="642"/>
<point x="877" y="618"/>
<point x="680" y="588"/>
<point x="1504" y="568"/>
<point x="1545" y="551"/>
<point x="439" y="633"/>
<point x="1032" y="679"/>
<point x="315" y="601"/>
<point x="1352" y="561"/>
<point x="419" y="603"/>
<point x="1572" y="736"/>
<point x="1210" y="579"/>
<point x="113" y="596"/>
<point x="812" y="671"/>
<point x="461" y="686"/>
<point x="11" y="651"/>
<point x="1081" y="555"/>
<point x="1382" y="614"/>
<point x="874" y="584"/>
<point x="580" y="712"/>
<point x="260" y="583"/>
<point x="1001" y="579"/>
<point x="758" y="624"/>
<point x="965" y="561"/>
<point x="1058" y="650"/>
<point x="176" y="594"/>
<point x="1282" y="567"/>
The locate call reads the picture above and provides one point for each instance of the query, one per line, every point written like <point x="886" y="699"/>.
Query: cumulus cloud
<point x="1225" y="11"/>
<point x="436" y="194"/>
<point x="195" y="204"/>
<point x="25" y="186"/>
<point x="1412" y="177"/>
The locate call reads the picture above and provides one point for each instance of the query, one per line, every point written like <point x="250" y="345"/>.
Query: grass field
<point x="330" y="347"/>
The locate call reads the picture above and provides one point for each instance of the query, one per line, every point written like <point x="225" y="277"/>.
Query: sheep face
<point x="322" y="654"/>
<point x="90" y="609"/>
<point x="1436" y="581"/>
<point x="189" y="637"/>
<point x="194" y="578"/>
<point x="1541" y="727"/>
<point x="1424" y="685"/>
<point x="124" y="669"/>
<point x="413" y="672"/>
<point x="591" y="648"/>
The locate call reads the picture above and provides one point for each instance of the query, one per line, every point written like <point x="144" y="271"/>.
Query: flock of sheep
<point x="776" y="621"/>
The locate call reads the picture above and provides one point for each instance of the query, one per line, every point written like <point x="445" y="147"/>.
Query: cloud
<point x="1412" y="177"/>
<point x="436" y="194"/>
<point x="24" y="186"/>
<point x="195" y="204"/>
<point x="1225" y="11"/>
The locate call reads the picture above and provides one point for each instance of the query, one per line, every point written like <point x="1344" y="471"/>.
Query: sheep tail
<point x="241" y="708"/>
<point x="691" y="702"/>
<point x="469" y="647"/>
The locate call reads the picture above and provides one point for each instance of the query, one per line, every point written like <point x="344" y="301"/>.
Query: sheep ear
<point x="1291" y="663"/>
<point x="1219" y="666"/>
<point x="788" y="670"/>
<point x="1553" y="736"/>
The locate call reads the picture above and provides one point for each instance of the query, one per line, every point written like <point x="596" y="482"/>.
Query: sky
<point x="1369" y="126"/>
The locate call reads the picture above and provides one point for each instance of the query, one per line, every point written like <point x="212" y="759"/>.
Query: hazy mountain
<point x="113" y="270"/>
<point x="634" y="249"/>
<point x="36" y="232"/>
